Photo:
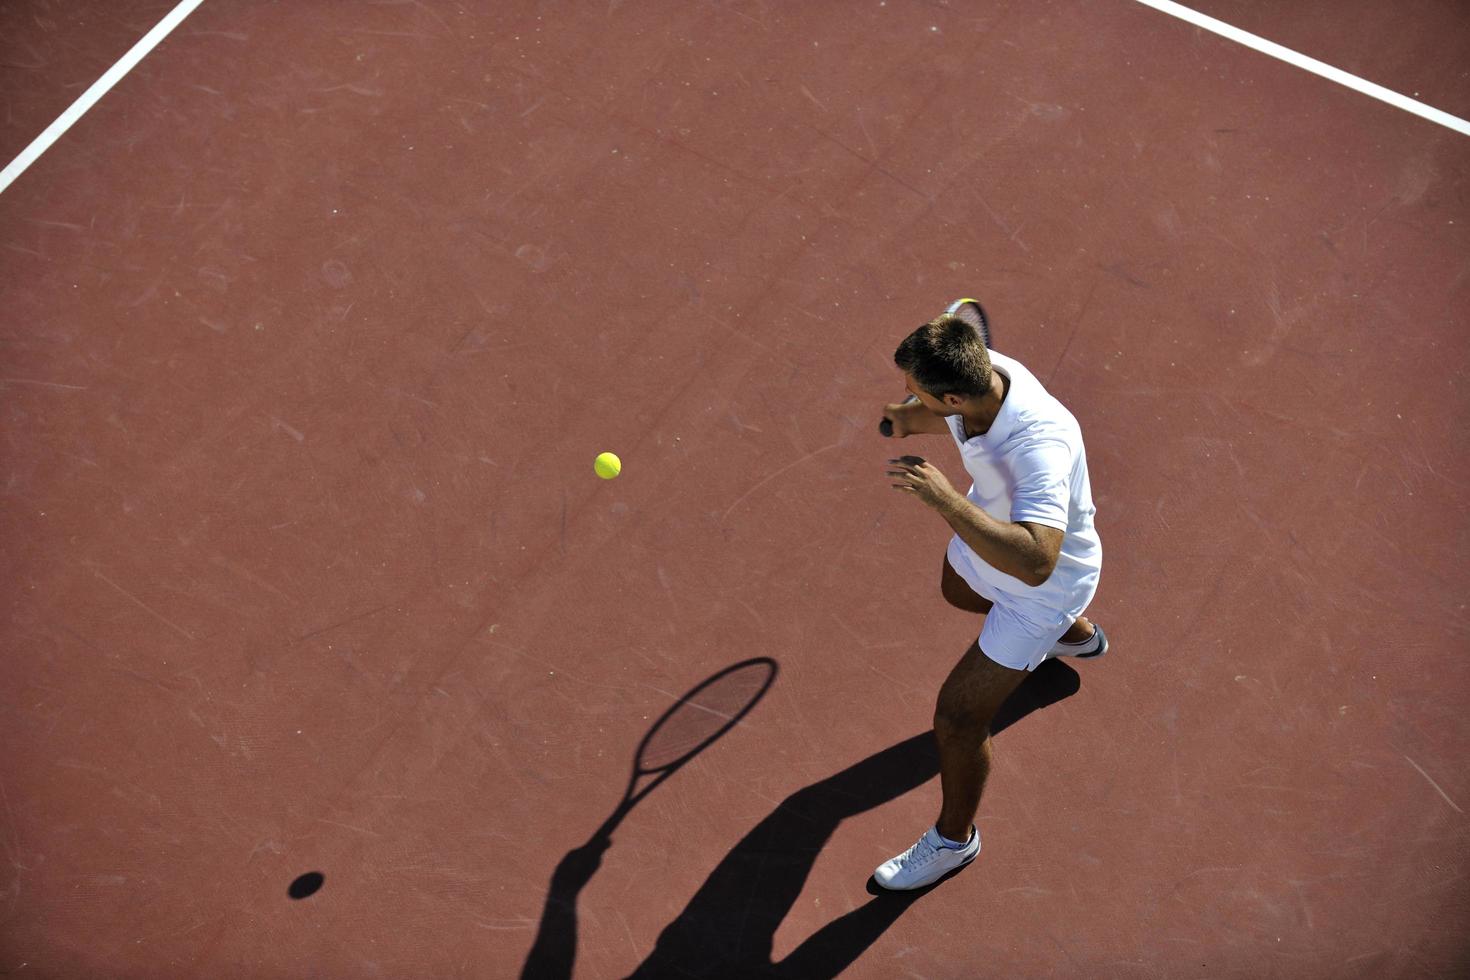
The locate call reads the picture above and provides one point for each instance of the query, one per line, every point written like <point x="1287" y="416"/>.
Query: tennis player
<point x="1024" y="554"/>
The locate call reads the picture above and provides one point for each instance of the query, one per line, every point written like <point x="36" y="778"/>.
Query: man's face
<point x="949" y="405"/>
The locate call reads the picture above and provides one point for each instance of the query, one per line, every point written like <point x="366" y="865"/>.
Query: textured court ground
<point x="312" y="327"/>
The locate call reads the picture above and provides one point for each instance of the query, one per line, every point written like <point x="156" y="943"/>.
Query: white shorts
<point x="1017" y="634"/>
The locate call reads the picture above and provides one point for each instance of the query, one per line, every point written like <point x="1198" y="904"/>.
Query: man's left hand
<point x="918" y="476"/>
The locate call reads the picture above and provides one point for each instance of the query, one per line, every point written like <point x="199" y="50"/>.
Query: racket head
<point x="970" y="311"/>
<point x="703" y="715"/>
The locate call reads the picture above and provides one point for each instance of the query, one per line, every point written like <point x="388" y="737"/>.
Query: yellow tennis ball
<point x="607" y="465"/>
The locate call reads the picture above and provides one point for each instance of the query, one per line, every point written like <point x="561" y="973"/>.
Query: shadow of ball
<point x="306" y="885"/>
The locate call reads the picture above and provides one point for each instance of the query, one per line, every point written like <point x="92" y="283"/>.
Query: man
<point x="1024" y="552"/>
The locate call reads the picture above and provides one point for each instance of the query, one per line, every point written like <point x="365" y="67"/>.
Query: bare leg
<point x="963" y="770"/>
<point x="957" y="592"/>
<point x="968" y="701"/>
<point x="1079" y="632"/>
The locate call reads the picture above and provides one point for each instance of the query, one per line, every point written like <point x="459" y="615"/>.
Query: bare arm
<point x="912" y="419"/>
<point x="1027" y="551"/>
<point x="1022" y="549"/>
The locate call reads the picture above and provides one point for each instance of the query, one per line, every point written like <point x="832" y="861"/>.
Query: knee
<point x="952" y="596"/>
<point x="961" y="596"/>
<point x="958" y="723"/>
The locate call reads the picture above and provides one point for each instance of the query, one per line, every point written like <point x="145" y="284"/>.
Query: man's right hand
<point x="910" y="418"/>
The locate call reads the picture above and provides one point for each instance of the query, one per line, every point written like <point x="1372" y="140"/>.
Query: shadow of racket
<point x="692" y="724"/>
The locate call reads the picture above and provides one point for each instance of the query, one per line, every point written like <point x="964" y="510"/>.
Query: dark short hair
<point x="946" y="357"/>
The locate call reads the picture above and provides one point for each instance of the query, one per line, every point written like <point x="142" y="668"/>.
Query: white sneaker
<point x="1094" y="646"/>
<point x="926" y="862"/>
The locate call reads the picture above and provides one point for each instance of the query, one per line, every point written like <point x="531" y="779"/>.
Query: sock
<point x="955" y="845"/>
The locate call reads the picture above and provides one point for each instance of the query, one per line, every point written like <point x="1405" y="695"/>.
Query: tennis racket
<point x="968" y="310"/>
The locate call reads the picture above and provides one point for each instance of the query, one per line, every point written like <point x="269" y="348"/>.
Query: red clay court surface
<point x="313" y="326"/>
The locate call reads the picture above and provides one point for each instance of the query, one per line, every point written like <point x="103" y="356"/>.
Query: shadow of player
<point x="728" y="927"/>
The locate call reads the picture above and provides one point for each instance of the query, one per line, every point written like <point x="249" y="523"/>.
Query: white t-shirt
<point x="1031" y="466"/>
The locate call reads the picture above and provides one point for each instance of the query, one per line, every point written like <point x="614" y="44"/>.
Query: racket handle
<point x="885" y="427"/>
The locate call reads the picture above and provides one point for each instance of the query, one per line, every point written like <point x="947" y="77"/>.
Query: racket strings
<point x="970" y="312"/>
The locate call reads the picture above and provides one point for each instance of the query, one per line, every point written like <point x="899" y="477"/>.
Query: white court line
<point x="1311" y="64"/>
<point x="99" y="88"/>
<point x="151" y="40"/>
